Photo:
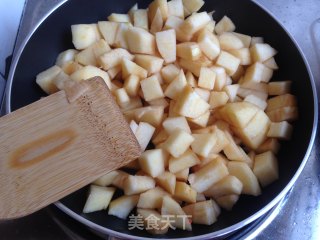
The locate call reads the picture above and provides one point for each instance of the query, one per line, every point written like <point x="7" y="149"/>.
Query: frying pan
<point x="53" y="35"/>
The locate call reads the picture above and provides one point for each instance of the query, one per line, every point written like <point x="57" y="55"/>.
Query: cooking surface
<point x="298" y="218"/>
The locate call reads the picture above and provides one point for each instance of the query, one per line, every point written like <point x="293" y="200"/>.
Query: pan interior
<point x="54" y="36"/>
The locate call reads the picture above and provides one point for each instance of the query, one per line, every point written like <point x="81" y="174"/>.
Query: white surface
<point x="10" y="14"/>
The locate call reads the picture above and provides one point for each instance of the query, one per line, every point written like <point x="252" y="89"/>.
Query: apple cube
<point x="83" y="35"/>
<point x="161" y="224"/>
<point x="261" y="52"/>
<point x="132" y="85"/>
<point x="71" y="67"/>
<point x="162" y="5"/>
<point x="190" y="104"/>
<point x="259" y="87"/>
<point x="231" y="91"/>
<point x="271" y="144"/>
<point x="140" y="41"/>
<point x="151" y="88"/>
<point x="203" y="143"/>
<point x="144" y="134"/>
<point x="256" y="40"/>
<point x="229" y="62"/>
<point x="178" y="142"/>
<point x="152" y="199"/>
<point x="228" y="41"/>
<point x="282" y="130"/>
<point x="221" y="78"/>
<point x="271" y="63"/>
<point x="166" y="43"/>
<point x="152" y="64"/>
<point x="244" y="173"/>
<point x="189" y="50"/>
<point x="266" y="168"/>
<point x="98" y="199"/>
<point x="258" y="73"/>
<point x="207" y="78"/>
<point x="227" y="202"/>
<point x="175" y="88"/>
<point x="122" y="97"/>
<point x="167" y="181"/>
<point x="106" y="179"/>
<point x="61" y="80"/>
<point x="156" y="23"/>
<point x="246" y="39"/>
<point x="140" y="18"/>
<point x="172" y="123"/>
<point x="201" y="121"/>
<point x="227" y="186"/>
<point x="209" y="44"/>
<point x="186" y="160"/>
<point x="191" y="79"/>
<point x="152" y="162"/>
<point x="203" y="93"/>
<point x="287" y="100"/>
<point x="194" y="23"/>
<point x="224" y="25"/>
<point x="243" y="54"/>
<point x="117" y="17"/>
<point x="137" y="184"/>
<point x="114" y="58"/>
<point x="218" y="99"/>
<point x="201" y="212"/>
<point x="179" y="219"/>
<point x="45" y="79"/>
<point x="108" y="31"/>
<point x="279" y="88"/>
<point x="170" y="72"/>
<point x="173" y="22"/>
<point x="175" y="8"/>
<point x="256" y="101"/>
<point x="192" y="6"/>
<point x="66" y="56"/>
<point x="283" y="114"/>
<point x="185" y="193"/>
<point x="129" y="67"/>
<point x="122" y="206"/>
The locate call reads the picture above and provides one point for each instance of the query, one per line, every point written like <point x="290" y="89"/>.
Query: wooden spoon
<point x="59" y="144"/>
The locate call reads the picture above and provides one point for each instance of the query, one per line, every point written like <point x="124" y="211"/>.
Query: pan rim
<point x="216" y="234"/>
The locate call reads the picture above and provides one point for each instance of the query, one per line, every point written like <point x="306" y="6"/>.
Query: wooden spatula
<point x="59" y="144"/>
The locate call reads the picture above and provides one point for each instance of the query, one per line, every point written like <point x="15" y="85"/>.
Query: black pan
<point x="53" y="36"/>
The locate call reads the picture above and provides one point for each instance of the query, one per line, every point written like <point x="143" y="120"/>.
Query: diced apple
<point x="207" y="78"/>
<point x="201" y="121"/>
<point x="154" y="116"/>
<point x="71" y="67"/>
<point x="244" y="92"/>
<point x="192" y="6"/>
<point x="88" y="72"/>
<point x="243" y="54"/>
<point x="190" y="104"/>
<point x="224" y="25"/>
<point x="243" y="172"/>
<point x="256" y="101"/>
<point x="61" y="80"/>
<point x="120" y="39"/>
<point x="282" y="130"/>
<point x="207" y="176"/>
<point x="186" y="160"/>
<point x="166" y="43"/>
<point x="129" y="67"/>
<point x="279" y="88"/>
<point x="201" y="212"/>
<point x="122" y="206"/>
<point x="209" y="44"/>
<point x="98" y="199"/>
<point x="227" y="186"/>
<point x="114" y="58"/>
<point x="194" y="23"/>
<point x="175" y="88"/>
<point x="173" y="22"/>
<point x="286" y="100"/>
<point x="83" y="35"/>
<point x="229" y="62"/>
<point x="221" y="78"/>
<point x="266" y="168"/>
<point x="172" y="123"/>
<point x="229" y="41"/>
<point x="203" y="143"/>
<point x="132" y="10"/>
<point x="178" y="142"/>
<point x="167" y="181"/>
<point x="182" y="175"/>
<point x="271" y="144"/>
<point x="140" y="18"/>
<point x="160" y="137"/>
<point x="231" y="91"/>
<point x="191" y="79"/>
<point x="45" y="79"/>
<point x="246" y="39"/>
<point x="122" y="97"/>
<point x="161" y="225"/>
<point x="144" y="134"/>
<point x="117" y="17"/>
<point x="152" y="162"/>
<point x="185" y="193"/>
<point x="258" y="73"/>
<point x="271" y="63"/>
<point x="152" y="199"/>
<point x="175" y="8"/>
<point x="238" y="114"/>
<point x="256" y="40"/>
<point x="179" y="219"/>
<point x="218" y="99"/>
<point x="283" y="114"/>
<point x="151" y="88"/>
<point x="259" y="87"/>
<point x="106" y="179"/>
<point x="203" y="93"/>
<point x="132" y="85"/>
<point x="189" y="50"/>
<point x="119" y="180"/>
<point x="162" y="5"/>
<point x="137" y="184"/>
<point x="170" y="72"/>
<point x="140" y="41"/>
<point x="66" y="56"/>
<point x="227" y="202"/>
<point x="156" y="23"/>
<point x="261" y="52"/>
<point x="108" y="31"/>
<point x="152" y="64"/>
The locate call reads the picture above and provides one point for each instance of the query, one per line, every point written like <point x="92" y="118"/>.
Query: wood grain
<point x="59" y="144"/>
